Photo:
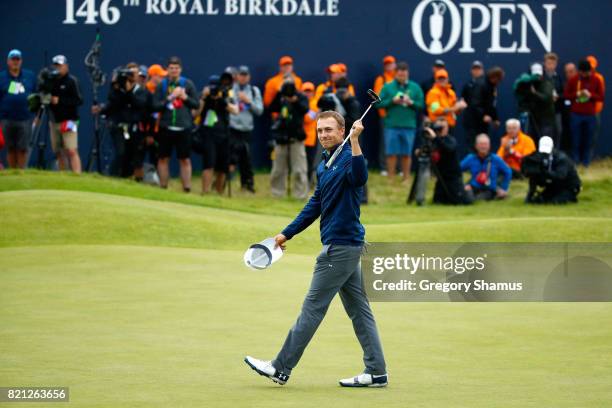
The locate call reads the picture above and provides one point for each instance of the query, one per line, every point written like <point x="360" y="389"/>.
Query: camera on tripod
<point x="47" y="78"/>
<point x="121" y="76"/>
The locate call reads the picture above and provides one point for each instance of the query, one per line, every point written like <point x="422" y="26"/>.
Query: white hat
<point x="537" y="69"/>
<point x="59" y="60"/>
<point x="545" y="145"/>
<point x="263" y="254"/>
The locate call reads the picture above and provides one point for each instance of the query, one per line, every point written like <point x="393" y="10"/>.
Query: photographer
<point x="287" y="132"/>
<point x="342" y="100"/>
<point x="490" y="176"/>
<point x="536" y="103"/>
<point x="126" y="113"/>
<point x="174" y="98"/>
<point x="442" y="149"/>
<point x="250" y="105"/>
<point x="553" y="172"/>
<point x="65" y="100"/>
<point x="216" y="106"/>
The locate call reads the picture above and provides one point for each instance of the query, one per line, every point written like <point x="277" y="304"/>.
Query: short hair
<point x="402" y="66"/>
<point x="496" y="72"/>
<point x="332" y="114"/>
<point x="513" y="121"/>
<point x="482" y="136"/>
<point x="175" y="61"/>
<point x="551" y="56"/>
<point x="131" y="65"/>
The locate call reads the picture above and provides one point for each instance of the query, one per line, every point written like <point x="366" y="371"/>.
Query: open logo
<point x="438" y="25"/>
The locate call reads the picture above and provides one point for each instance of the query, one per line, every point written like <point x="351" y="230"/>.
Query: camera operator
<point x="174" y="98"/>
<point x="535" y="98"/>
<point x="287" y="131"/>
<point x="65" y="100"/>
<point x="126" y="112"/>
<point x="442" y="148"/>
<point x="216" y="106"/>
<point x="552" y="171"/>
<point x="490" y="175"/>
<point x="250" y="105"/>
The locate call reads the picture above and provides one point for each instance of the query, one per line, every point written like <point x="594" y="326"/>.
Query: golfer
<point x="338" y="268"/>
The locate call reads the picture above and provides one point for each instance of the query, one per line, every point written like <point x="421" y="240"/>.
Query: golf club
<point x="375" y="99"/>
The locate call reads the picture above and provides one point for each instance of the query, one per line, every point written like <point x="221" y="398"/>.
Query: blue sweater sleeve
<point x="307" y="216"/>
<point x="465" y="163"/>
<point x="357" y="174"/>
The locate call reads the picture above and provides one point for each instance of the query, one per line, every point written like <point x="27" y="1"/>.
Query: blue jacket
<point x="475" y="165"/>
<point x="14" y="94"/>
<point x="336" y="199"/>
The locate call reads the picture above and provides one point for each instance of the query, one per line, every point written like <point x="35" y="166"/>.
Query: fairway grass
<point x="168" y="327"/>
<point x="137" y="297"/>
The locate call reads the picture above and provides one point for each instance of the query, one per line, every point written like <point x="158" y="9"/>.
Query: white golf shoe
<point x="266" y="369"/>
<point x="365" y="380"/>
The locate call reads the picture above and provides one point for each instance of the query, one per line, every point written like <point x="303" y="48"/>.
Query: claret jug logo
<point x="438" y="25"/>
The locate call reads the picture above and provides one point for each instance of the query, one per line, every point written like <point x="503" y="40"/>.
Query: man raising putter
<point x="338" y="267"/>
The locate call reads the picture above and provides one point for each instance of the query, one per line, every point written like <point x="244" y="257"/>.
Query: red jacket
<point x="594" y="86"/>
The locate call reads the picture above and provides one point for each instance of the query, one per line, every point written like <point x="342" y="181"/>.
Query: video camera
<point x="121" y="76"/>
<point x="47" y="78"/>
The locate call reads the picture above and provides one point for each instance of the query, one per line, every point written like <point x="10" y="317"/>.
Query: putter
<point x="375" y="99"/>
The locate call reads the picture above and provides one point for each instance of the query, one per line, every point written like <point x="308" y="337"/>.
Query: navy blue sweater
<point x="336" y="199"/>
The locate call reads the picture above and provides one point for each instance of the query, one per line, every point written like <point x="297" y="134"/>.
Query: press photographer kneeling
<point x="126" y="111"/>
<point x="552" y="175"/>
<point x="439" y="150"/>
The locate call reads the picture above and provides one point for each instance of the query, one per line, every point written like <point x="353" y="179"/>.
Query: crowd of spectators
<point x="154" y="112"/>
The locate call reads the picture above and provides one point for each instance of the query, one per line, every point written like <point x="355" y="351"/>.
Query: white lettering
<point x="168" y="6"/>
<point x="271" y="8"/>
<point x="318" y="10"/>
<point x="255" y="8"/>
<point x="468" y="10"/>
<point x="196" y="8"/>
<point x="304" y="9"/>
<point x="152" y="7"/>
<point x="289" y="7"/>
<point x="231" y="7"/>
<point x="497" y="26"/>
<point x="332" y="8"/>
<point x="183" y="6"/>
<point x="544" y="37"/>
<point x="210" y="8"/>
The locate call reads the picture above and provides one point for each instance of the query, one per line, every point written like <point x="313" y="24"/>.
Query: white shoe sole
<point x="258" y="371"/>
<point x="363" y="385"/>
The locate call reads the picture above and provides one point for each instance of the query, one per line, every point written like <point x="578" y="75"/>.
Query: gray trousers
<point x="292" y="155"/>
<point x="338" y="269"/>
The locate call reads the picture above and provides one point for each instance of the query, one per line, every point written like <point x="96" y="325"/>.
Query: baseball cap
<point x="142" y="70"/>
<point x="389" y="59"/>
<point x="243" y="69"/>
<point x="308" y="86"/>
<point x="157" y="69"/>
<point x="231" y="70"/>
<point x="439" y="63"/>
<point x="593" y="61"/>
<point x="263" y="254"/>
<point x="441" y="73"/>
<point x="334" y="69"/>
<point x="14" y="54"/>
<point x="343" y="67"/>
<point x="537" y="69"/>
<point x="545" y="145"/>
<point x="286" y="60"/>
<point x="477" y="64"/>
<point x="59" y="60"/>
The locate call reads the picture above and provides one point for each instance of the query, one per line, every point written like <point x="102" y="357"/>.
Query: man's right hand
<point x="280" y="240"/>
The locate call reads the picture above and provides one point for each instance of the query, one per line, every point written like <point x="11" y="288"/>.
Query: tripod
<point x="39" y="138"/>
<point x="95" y="156"/>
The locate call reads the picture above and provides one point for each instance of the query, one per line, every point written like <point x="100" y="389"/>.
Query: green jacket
<point x="399" y="116"/>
